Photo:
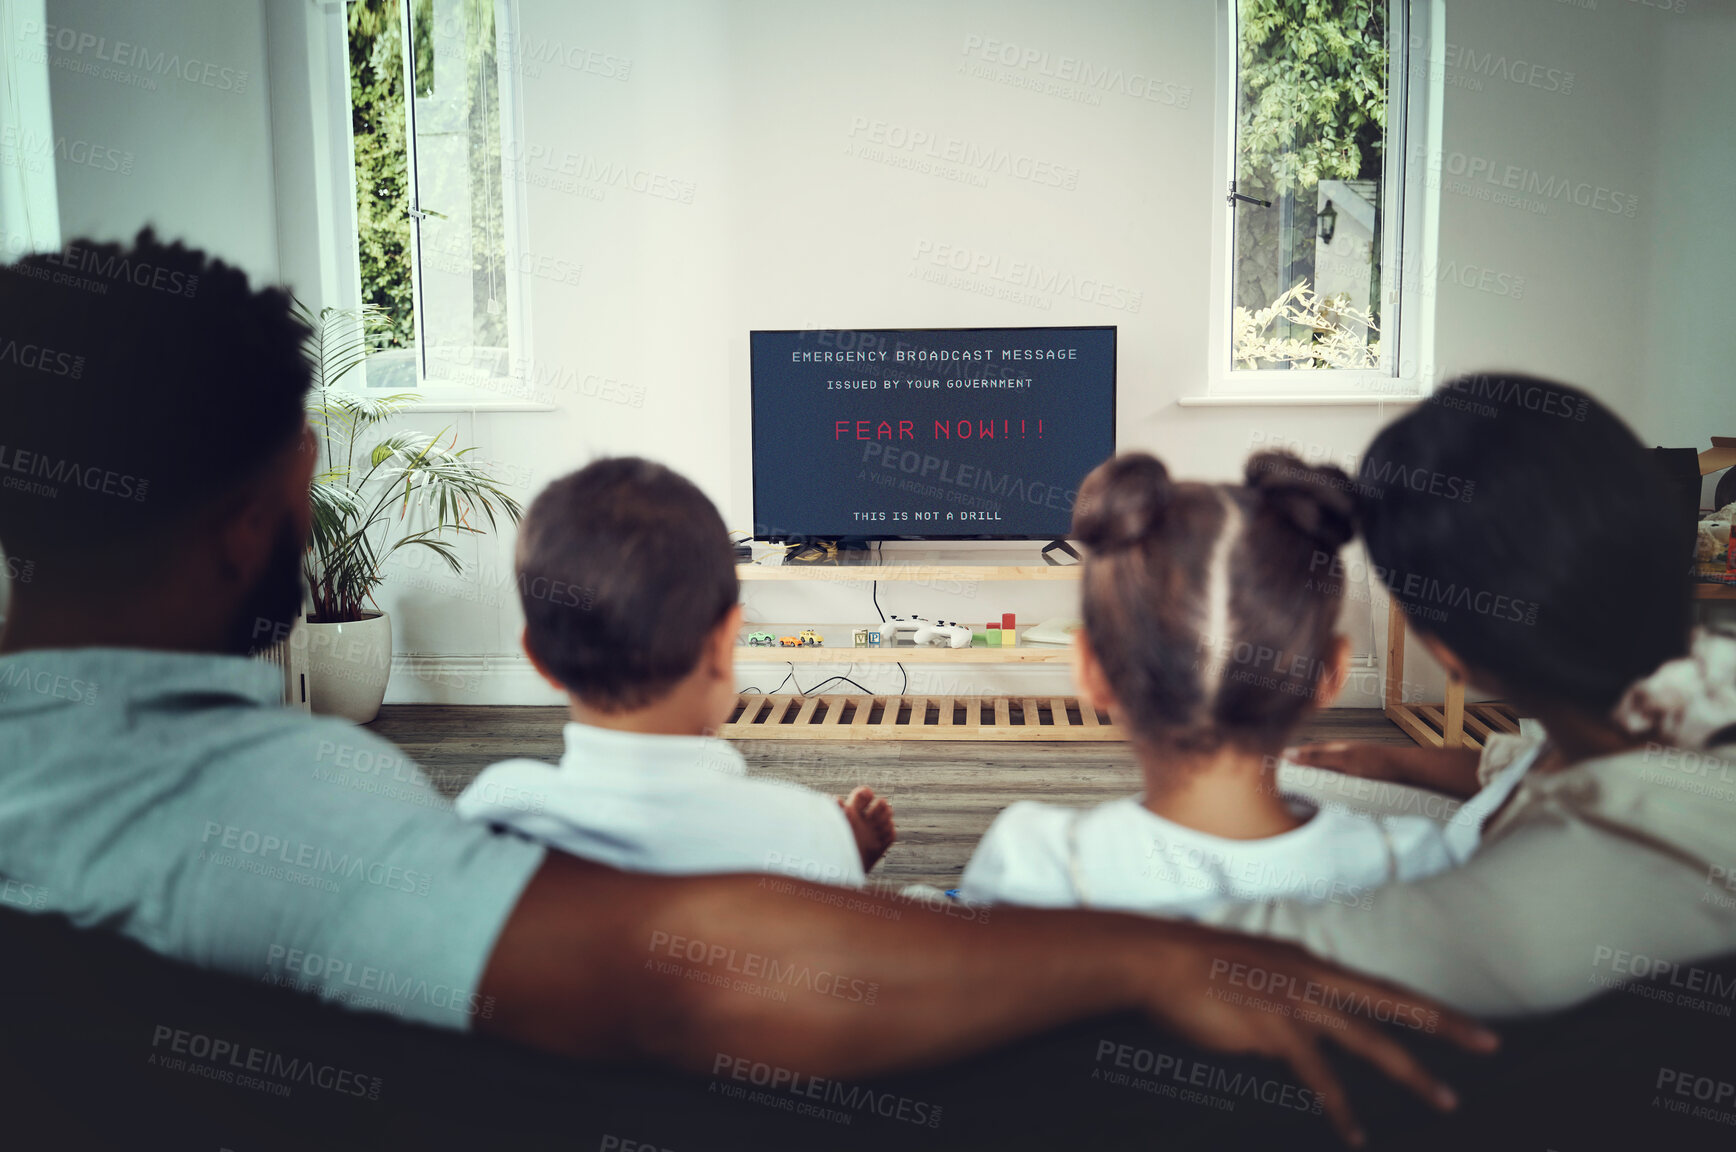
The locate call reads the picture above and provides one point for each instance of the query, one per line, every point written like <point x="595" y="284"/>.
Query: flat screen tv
<point x="927" y="433"/>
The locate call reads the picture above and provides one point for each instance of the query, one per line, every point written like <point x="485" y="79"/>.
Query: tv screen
<point x="927" y="433"/>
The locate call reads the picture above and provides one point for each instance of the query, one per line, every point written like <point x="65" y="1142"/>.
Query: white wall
<point x="173" y="98"/>
<point x="763" y="105"/>
<point x="1689" y="387"/>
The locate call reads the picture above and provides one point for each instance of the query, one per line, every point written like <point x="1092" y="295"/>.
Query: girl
<point x="1209" y="615"/>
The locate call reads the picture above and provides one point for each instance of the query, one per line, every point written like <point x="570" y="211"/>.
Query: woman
<point x="1555" y="576"/>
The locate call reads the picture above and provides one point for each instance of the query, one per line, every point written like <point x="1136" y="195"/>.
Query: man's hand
<point x="1451" y="771"/>
<point x="1201" y="992"/>
<point x="606" y="965"/>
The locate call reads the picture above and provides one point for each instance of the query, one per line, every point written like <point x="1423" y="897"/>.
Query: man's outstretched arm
<point x="596" y="963"/>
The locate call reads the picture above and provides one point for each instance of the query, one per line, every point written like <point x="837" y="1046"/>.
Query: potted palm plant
<point x="374" y="492"/>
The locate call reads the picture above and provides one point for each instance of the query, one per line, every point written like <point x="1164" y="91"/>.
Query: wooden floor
<point x="945" y="793"/>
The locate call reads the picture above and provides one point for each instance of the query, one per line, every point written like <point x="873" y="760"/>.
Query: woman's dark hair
<point x="624" y="568"/>
<point x="1521" y="523"/>
<point x="1211" y="608"/>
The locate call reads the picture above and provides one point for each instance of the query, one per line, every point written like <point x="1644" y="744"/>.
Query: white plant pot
<point x="348" y="666"/>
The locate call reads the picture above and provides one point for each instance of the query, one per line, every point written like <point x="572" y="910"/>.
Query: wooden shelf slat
<point x="1404" y="715"/>
<point x="906" y="718"/>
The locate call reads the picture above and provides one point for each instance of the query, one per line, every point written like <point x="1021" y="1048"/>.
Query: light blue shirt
<point x="170" y="797"/>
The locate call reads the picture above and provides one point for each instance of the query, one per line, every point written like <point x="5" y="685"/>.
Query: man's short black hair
<point x="624" y="568"/>
<point x="138" y="386"/>
<point x="1521" y="523"/>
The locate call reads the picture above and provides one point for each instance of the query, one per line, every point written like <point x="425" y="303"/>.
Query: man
<point x="154" y="475"/>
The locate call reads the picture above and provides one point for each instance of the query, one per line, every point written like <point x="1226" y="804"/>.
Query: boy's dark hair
<point x="1557" y="565"/>
<point x="624" y="568"/>
<point x="139" y="385"/>
<point x="1211" y="608"/>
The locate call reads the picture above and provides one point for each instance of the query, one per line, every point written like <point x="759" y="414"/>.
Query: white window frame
<point x="1418" y="30"/>
<point x="344" y="289"/>
<point x="29" y="198"/>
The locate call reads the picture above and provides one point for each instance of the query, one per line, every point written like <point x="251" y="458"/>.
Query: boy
<point x="630" y="597"/>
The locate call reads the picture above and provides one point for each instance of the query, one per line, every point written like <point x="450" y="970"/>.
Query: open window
<point x="1321" y="216"/>
<point x="438" y="219"/>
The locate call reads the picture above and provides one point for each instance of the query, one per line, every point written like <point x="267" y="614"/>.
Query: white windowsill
<point x="1303" y="401"/>
<point x="443" y="404"/>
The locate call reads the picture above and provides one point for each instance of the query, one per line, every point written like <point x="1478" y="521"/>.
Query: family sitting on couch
<point x="132" y="809"/>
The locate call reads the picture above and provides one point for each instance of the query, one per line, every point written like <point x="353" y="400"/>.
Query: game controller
<point x="950" y="633"/>
<point x="896" y="626"/>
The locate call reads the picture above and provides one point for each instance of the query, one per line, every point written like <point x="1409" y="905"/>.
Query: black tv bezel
<point x="794" y="538"/>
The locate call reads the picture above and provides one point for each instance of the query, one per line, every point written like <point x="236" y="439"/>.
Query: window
<point x="1314" y="231"/>
<point x="433" y="208"/>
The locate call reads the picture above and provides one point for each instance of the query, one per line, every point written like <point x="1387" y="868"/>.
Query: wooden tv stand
<point x="912" y="716"/>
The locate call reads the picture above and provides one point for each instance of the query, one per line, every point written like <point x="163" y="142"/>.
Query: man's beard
<point x="269" y="610"/>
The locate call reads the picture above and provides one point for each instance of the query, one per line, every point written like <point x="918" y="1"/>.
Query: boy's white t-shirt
<point x="679" y="805"/>
<point x="1123" y="857"/>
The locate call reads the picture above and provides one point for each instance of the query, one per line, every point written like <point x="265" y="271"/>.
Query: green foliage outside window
<point x="1312" y="104"/>
<point x="382" y="166"/>
<point x="461" y="193"/>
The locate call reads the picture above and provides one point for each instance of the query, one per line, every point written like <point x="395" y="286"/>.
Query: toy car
<point x="811" y="638"/>
<point x="761" y="639"/>
<point x="790" y="642"/>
